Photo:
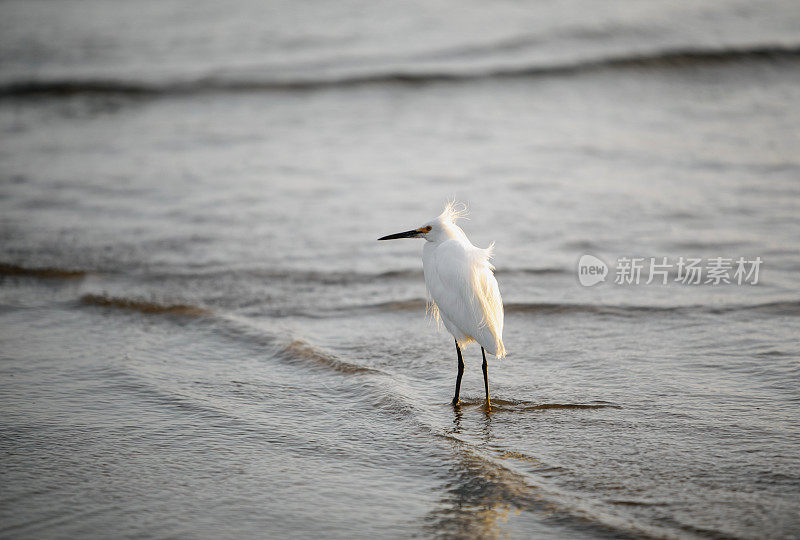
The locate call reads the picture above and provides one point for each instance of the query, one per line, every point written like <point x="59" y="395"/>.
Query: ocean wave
<point x="515" y="405"/>
<point x="485" y="478"/>
<point x="783" y="307"/>
<point x="420" y="74"/>
<point x="788" y="307"/>
<point x="544" y="308"/>
<point x="493" y="479"/>
<point x="333" y="277"/>
<point x="779" y="307"/>
<point x="45" y="272"/>
<point x="300" y="350"/>
<point x="142" y="306"/>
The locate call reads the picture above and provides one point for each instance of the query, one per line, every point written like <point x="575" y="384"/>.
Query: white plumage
<point x="462" y="289"/>
<point x="461" y="284"/>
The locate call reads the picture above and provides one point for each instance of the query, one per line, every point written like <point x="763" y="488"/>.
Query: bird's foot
<point x="456" y="402"/>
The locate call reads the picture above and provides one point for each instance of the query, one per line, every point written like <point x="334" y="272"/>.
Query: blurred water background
<point x="201" y="338"/>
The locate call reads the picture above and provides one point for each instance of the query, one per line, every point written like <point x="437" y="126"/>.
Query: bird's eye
<point x="427" y="229"/>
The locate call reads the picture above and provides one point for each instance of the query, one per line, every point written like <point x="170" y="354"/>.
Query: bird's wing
<point x="461" y="283"/>
<point x="491" y="302"/>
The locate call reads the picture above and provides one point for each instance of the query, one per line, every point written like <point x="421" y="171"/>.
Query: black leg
<point x="486" y="378"/>
<point x="460" y="373"/>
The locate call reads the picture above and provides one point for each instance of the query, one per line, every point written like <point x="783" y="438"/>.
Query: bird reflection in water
<point x="477" y="499"/>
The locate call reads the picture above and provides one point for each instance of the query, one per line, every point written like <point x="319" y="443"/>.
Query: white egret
<point x="463" y="292"/>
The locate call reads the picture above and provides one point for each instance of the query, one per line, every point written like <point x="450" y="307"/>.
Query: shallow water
<point x="201" y="337"/>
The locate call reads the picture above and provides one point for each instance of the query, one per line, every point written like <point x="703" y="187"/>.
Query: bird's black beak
<point x="415" y="233"/>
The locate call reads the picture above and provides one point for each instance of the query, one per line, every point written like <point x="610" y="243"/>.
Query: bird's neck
<point x="451" y="231"/>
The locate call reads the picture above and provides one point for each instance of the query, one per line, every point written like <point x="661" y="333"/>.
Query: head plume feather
<point x="454" y="210"/>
